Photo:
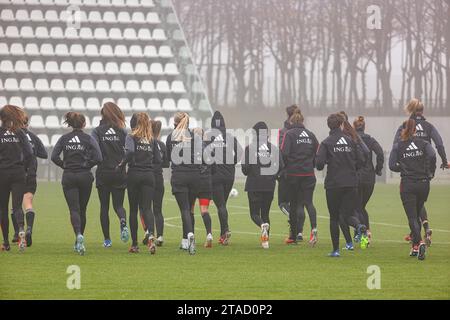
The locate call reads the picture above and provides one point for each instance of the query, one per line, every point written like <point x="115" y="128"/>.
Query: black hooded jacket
<point x="262" y="162"/>
<point x="39" y="151"/>
<point x="299" y="147"/>
<point x="15" y="150"/>
<point x="225" y="149"/>
<point x="366" y="173"/>
<point x="427" y="132"/>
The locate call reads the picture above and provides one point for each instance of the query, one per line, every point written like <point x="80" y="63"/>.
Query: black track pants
<point x="259" y="204"/>
<point x="221" y="191"/>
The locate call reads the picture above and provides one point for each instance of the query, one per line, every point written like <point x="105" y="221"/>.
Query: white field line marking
<point x="326" y="217"/>
<point x="273" y="234"/>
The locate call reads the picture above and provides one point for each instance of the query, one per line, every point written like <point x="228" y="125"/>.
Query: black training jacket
<point x="366" y="173"/>
<point x="281" y="132"/>
<point x="140" y="154"/>
<point x="224" y="147"/>
<point x="428" y="132"/>
<point x="15" y="150"/>
<point x="39" y="151"/>
<point x="81" y="152"/>
<point x="112" y="145"/>
<point x="343" y="158"/>
<point x="262" y="162"/>
<point x="185" y="156"/>
<point x="164" y="158"/>
<point x="414" y="158"/>
<point x="299" y="147"/>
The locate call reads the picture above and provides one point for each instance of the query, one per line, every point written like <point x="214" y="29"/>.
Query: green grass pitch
<point x="242" y="270"/>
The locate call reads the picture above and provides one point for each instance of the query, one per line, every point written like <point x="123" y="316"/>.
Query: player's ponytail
<point x="75" y="120"/>
<point x="414" y="107"/>
<point x="142" y="128"/>
<point x="181" y="122"/>
<point x="297" y="117"/>
<point x="113" y="115"/>
<point x="348" y="129"/>
<point x="156" y="128"/>
<point x="13" y="117"/>
<point x="359" y="124"/>
<point x="409" y="129"/>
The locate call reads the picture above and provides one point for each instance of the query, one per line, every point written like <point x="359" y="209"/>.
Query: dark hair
<point x="297" y="117"/>
<point x="334" y="121"/>
<point x="113" y="115"/>
<point x="156" y="128"/>
<point x="75" y="120"/>
<point x="25" y="121"/>
<point x="409" y="129"/>
<point x="291" y="109"/>
<point x="13" y="117"/>
<point x="359" y="123"/>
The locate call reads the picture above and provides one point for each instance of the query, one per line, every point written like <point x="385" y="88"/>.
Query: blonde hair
<point x="297" y="117"/>
<point x="415" y="106"/>
<point x="181" y="121"/>
<point x="359" y="123"/>
<point x="143" y="129"/>
<point x="409" y="130"/>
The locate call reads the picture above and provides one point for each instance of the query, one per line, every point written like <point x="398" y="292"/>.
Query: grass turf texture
<point x="242" y="270"/>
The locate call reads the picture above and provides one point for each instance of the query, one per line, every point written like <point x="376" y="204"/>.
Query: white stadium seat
<point x="86" y="34"/>
<point x="11" y="85"/>
<point x="124" y="17"/>
<point x="62" y="2"/>
<point x="178" y="87"/>
<point x="150" y="52"/>
<point x="169" y="105"/>
<point x="115" y="34"/>
<point x="91" y="50"/>
<point x="136" y="51"/>
<point x="88" y="123"/>
<point x="2" y="88"/>
<point x="184" y="105"/>
<point x="118" y="3"/>
<point x="6" y="66"/>
<point x="153" y="18"/>
<point x="76" y="50"/>
<point x="31" y="49"/>
<point x="56" y="33"/>
<point x="129" y="34"/>
<point x="62" y="103"/>
<point x="37" y="16"/>
<point x="93" y="104"/>
<point x="27" y="32"/>
<point x="16" y="49"/>
<point x="132" y="3"/>
<point x="47" y="103"/>
<point x="97" y="68"/>
<point x="77" y="104"/>
<point x="4" y="49"/>
<point x="126" y="68"/>
<point x="44" y="139"/>
<point x="109" y="17"/>
<point x="154" y="104"/>
<point x="117" y="86"/>
<point x="112" y="68"/>
<point x="162" y="86"/>
<point x="91" y="3"/>
<point x="104" y="3"/>
<point x="138" y="105"/>
<point x="133" y="86"/>
<point x="106" y="51"/>
<point x="55" y="139"/>
<point x="124" y="104"/>
<point x="72" y="85"/>
<point x="37" y="122"/>
<point x="7" y="15"/>
<point x="66" y="67"/>
<point x="47" y="50"/>
<point x="159" y="35"/>
<point x="100" y="34"/>
<point x="51" y="67"/>
<point x="144" y="34"/>
<point x="87" y="85"/>
<point x="31" y="103"/>
<point x="120" y="51"/>
<point x="16" y="101"/>
<point x="95" y="17"/>
<point x="42" y="33"/>
<point x="102" y="86"/>
<point x="156" y="69"/>
<point x="171" y="69"/>
<point x="71" y="34"/>
<point x="22" y="15"/>
<point x="81" y="67"/>
<point x="141" y="68"/>
<point x="57" y="85"/>
<point x="52" y="122"/>
<point x="148" y="86"/>
<point x="61" y="50"/>
<point x="138" y="17"/>
<point x="51" y="16"/>
<point x="26" y="85"/>
<point x="147" y="4"/>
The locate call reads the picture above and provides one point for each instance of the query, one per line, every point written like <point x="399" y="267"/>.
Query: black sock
<point x="207" y="221"/>
<point x="30" y="219"/>
<point x="123" y="222"/>
<point x="15" y="225"/>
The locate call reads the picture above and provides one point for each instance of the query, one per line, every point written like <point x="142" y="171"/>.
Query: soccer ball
<point x="234" y="193"/>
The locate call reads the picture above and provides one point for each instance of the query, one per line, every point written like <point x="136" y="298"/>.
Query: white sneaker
<point x="265" y="235"/>
<point x="159" y="241"/>
<point x="22" y="241"/>
<point x="191" y="243"/>
<point x="209" y="241"/>
<point x="184" y="244"/>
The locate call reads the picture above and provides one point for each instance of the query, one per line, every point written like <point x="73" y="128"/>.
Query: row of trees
<point x="321" y="53"/>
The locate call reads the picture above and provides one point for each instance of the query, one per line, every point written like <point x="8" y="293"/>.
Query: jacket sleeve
<point x="129" y="150"/>
<point x="431" y="160"/>
<point x="156" y="154"/>
<point x="169" y="147"/>
<point x="436" y="137"/>
<point x="165" y="158"/>
<point x="39" y="149"/>
<point x="27" y="149"/>
<point x="237" y="151"/>
<point x="361" y="154"/>
<point x="96" y="154"/>
<point x="321" y="157"/>
<point x="376" y="147"/>
<point x="397" y="135"/>
<point x="56" y="153"/>
<point x="393" y="159"/>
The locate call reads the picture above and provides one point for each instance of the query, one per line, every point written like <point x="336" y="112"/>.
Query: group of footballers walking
<point x="134" y="161"/>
